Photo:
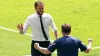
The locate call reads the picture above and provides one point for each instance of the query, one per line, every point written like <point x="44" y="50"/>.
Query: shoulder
<point x="75" y="39"/>
<point x="59" y="40"/>
<point x="32" y="15"/>
<point x="46" y="15"/>
<point x="56" y="42"/>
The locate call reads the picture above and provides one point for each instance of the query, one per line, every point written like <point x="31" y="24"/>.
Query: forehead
<point x="40" y="5"/>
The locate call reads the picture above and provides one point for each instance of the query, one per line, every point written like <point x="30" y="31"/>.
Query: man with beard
<point x="39" y="23"/>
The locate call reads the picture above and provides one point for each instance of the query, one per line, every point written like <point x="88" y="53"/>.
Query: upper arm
<point x="53" y="46"/>
<point x="82" y="46"/>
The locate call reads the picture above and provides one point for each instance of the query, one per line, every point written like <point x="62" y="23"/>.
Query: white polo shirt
<point x="34" y="22"/>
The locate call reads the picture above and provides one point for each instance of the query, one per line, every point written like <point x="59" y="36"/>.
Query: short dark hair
<point x="66" y="28"/>
<point x="37" y="2"/>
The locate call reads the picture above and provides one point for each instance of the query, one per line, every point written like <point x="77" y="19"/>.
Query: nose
<point x="41" y="9"/>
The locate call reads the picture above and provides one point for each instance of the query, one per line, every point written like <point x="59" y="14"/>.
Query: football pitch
<point x="83" y="15"/>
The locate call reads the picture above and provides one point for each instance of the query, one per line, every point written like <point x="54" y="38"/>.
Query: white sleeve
<point x="26" y="24"/>
<point x="52" y="24"/>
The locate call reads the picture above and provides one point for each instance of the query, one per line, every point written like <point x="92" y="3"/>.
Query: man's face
<point x="40" y="9"/>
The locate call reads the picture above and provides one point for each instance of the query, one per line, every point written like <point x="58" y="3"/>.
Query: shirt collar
<point x="67" y="36"/>
<point x="38" y="15"/>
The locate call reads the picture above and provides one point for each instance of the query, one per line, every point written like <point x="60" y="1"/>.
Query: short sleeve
<point x="82" y="46"/>
<point x="53" y="46"/>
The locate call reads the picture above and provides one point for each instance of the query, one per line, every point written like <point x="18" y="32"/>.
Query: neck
<point x="66" y="34"/>
<point x="39" y="14"/>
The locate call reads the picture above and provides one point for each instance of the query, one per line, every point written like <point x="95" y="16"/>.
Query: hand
<point x="20" y="27"/>
<point x="90" y="40"/>
<point x="36" y="45"/>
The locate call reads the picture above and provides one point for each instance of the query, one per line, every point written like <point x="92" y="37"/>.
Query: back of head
<point x="66" y="28"/>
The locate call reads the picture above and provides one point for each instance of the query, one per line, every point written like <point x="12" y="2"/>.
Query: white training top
<point x="34" y="22"/>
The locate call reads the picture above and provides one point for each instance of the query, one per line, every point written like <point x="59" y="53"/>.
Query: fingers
<point x="36" y="45"/>
<point x="20" y="26"/>
<point x="90" y="40"/>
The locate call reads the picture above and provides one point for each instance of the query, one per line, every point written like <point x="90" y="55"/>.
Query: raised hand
<point x="90" y="40"/>
<point x="20" y="27"/>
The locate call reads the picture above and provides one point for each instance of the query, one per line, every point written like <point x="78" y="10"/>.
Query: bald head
<point x="66" y="28"/>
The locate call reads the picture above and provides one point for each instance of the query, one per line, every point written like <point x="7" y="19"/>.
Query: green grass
<point x="83" y="15"/>
<point x="13" y="45"/>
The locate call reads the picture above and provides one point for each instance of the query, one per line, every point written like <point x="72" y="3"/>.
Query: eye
<point x="41" y="8"/>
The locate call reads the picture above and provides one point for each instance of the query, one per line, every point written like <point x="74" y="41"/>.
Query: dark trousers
<point x="35" y="52"/>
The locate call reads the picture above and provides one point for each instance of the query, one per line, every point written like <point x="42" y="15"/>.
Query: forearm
<point x="88" y="47"/>
<point x="43" y="50"/>
<point x="56" y="34"/>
